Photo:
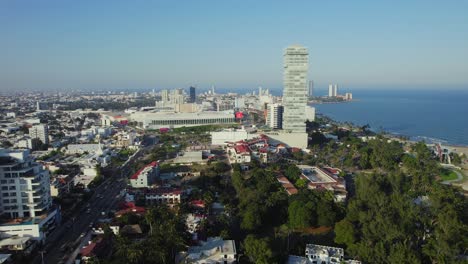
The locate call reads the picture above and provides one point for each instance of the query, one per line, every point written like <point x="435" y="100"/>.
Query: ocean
<point x="430" y="115"/>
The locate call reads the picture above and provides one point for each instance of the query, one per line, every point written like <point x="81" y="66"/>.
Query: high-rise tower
<point x="296" y="65"/>
<point x="193" y="96"/>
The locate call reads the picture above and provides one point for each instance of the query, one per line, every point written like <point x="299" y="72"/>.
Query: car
<point x="82" y="235"/>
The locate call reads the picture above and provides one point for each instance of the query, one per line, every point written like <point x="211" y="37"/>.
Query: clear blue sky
<point x="66" y="44"/>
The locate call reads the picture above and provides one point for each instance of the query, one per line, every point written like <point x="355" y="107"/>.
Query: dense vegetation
<point x="399" y="217"/>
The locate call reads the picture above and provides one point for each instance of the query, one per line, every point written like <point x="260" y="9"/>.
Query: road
<point x="72" y="232"/>
<point x="103" y="200"/>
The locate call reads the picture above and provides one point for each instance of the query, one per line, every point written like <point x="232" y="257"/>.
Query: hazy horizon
<point x="118" y="45"/>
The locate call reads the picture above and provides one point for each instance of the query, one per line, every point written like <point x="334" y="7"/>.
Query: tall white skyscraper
<point x="41" y="132"/>
<point x="296" y="65"/>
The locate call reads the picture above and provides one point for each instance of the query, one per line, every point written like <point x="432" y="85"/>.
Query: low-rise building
<point x="318" y="254"/>
<point x="82" y="148"/>
<point x="167" y="196"/>
<point x="319" y="178"/>
<point x="146" y="176"/>
<point x="239" y="152"/>
<point x="214" y="250"/>
<point x="287" y="185"/>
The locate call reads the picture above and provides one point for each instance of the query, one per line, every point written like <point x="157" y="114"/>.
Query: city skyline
<point x="100" y="46"/>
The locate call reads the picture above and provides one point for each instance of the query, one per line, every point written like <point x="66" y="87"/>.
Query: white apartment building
<point x="295" y="91"/>
<point x="332" y="90"/>
<point x="146" y="176"/>
<point x="274" y="116"/>
<point x="25" y="185"/>
<point x="41" y="132"/>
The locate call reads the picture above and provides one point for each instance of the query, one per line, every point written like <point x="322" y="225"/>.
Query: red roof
<point x="87" y="250"/>
<point x="136" y="210"/>
<point x="152" y="164"/>
<point x="126" y="205"/>
<point x="198" y="203"/>
<point x="241" y="149"/>
<point x="287" y="185"/>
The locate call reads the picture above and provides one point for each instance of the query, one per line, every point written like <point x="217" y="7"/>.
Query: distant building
<point x="332" y="90"/>
<point x="192" y="94"/>
<point x="311" y="88"/>
<point x="274" y="116"/>
<point x="146" y="176"/>
<point x="165" y="96"/>
<point x="156" y="120"/>
<point x="295" y="91"/>
<point x="41" y="132"/>
<point x="348" y="96"/>
<point x="82" y="148"/>
<point x="214" y="250"/>
<point x="41" y="106"/>
<point x="25" y="185"/>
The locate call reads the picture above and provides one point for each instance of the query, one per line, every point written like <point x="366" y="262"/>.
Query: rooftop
<point x="212" y="250"/>
<point x="145" y="168"/>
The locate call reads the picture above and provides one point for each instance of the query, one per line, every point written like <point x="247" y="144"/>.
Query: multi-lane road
<point x="61" y="243"/>
<point x="65" y="237"/>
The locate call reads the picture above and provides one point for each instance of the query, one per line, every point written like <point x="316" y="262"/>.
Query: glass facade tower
<point x="295" y="93"/>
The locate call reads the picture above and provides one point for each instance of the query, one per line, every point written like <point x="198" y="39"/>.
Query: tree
<point x="299" y="214"/>
<point x="344" y="233"/>
<point x="292" y="172"/>
<point x="251" y="218"/>
<point x="258" y="249"/>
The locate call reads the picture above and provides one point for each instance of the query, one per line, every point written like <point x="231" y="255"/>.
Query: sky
<point x="105" y="45"/>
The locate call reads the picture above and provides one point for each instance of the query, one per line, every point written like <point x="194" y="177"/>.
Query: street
<point x="61" y="243"/>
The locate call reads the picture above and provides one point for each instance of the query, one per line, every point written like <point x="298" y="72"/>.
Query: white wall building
<point x="25" y="185"/>
<point x="295" y="88"/>
<point x="230" y="135"/>
<point x="170" y="197"/>
<point x="332" y="90"/>
<point x="310" y="113"/>
<point x="41" y="132"/>
<point x="36" y="228"/>
<point x="156" y="120"/>
<point x="274" y="116"/>
<point x="146" y="176"/>
<point x="82" y="148"/>
<point x="214" y="250"/>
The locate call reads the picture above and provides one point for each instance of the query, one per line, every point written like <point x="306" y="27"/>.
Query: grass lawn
<point x="447" y="175"/>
